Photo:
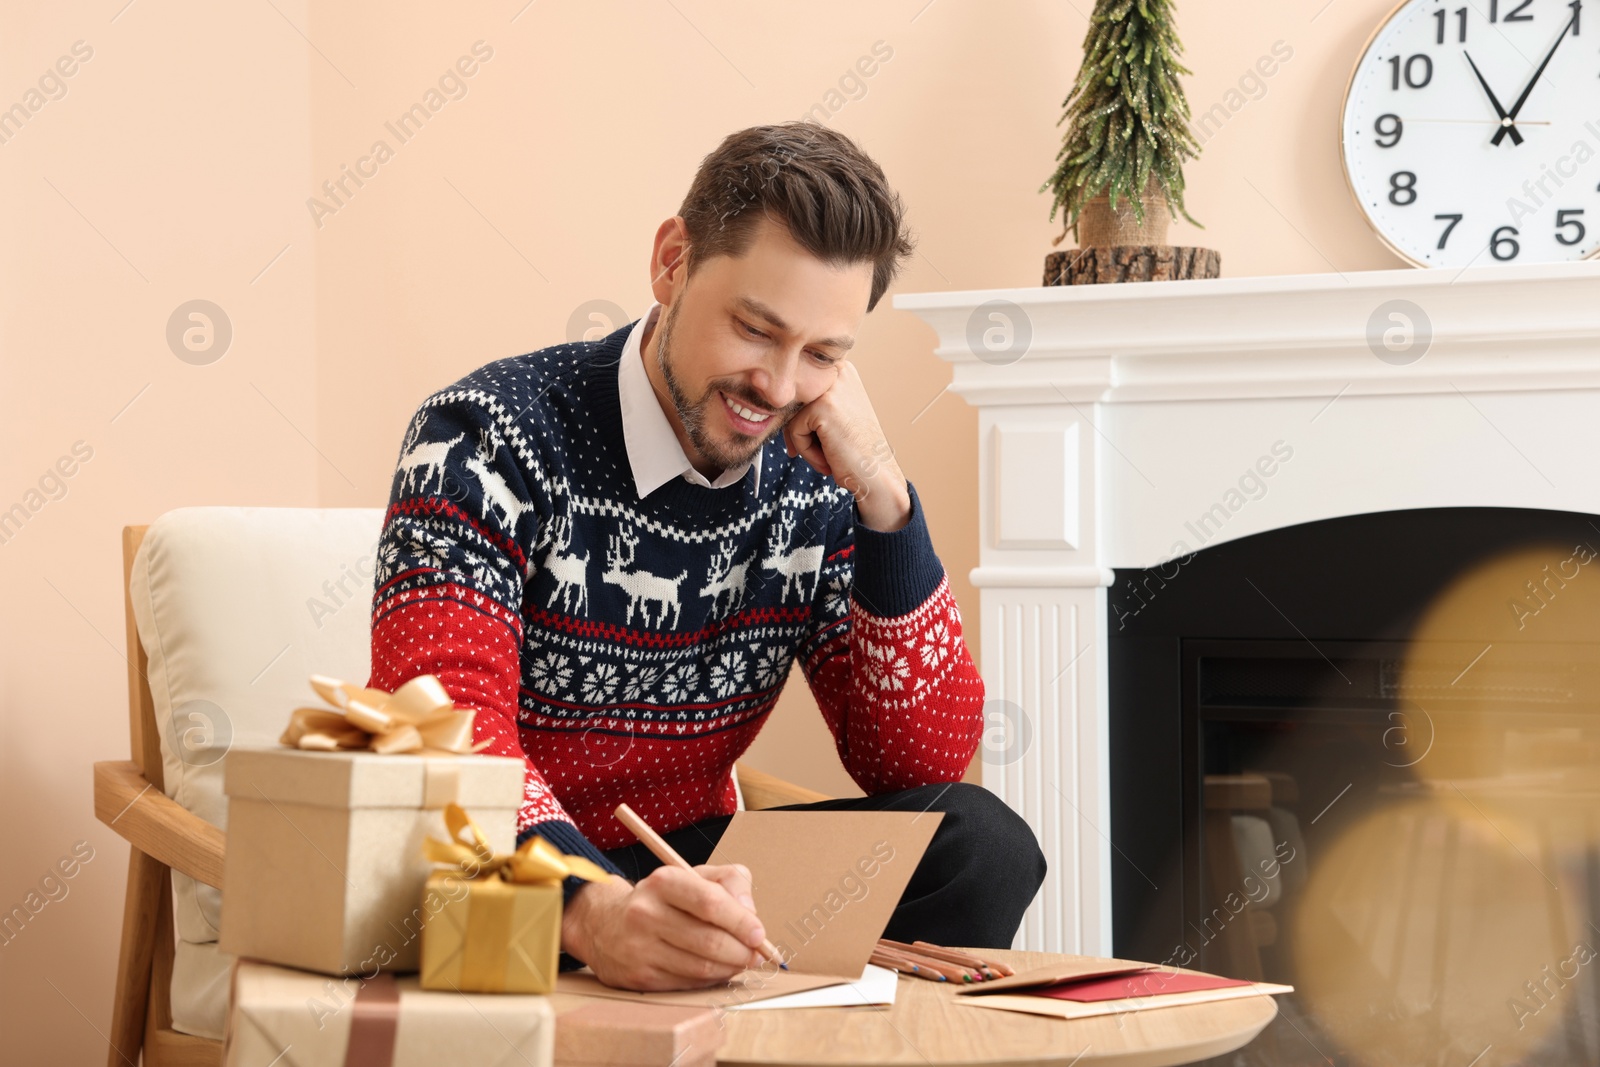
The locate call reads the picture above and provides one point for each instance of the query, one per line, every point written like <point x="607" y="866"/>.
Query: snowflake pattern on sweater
<point x="630" y="650"/>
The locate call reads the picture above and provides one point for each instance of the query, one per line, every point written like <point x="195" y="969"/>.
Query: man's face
<point x="764" y="331"/>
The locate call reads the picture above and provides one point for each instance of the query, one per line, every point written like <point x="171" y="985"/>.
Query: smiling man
<point x="614" y="551"/>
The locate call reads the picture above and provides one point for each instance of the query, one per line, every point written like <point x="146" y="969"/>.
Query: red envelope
<point x="1133" y="986"/>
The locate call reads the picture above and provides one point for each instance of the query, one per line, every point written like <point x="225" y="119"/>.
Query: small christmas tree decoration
<point x="1119" y="174"/>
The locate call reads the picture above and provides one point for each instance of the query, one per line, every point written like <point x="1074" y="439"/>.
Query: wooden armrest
<point x="155" y="824"/>
<point x="762" y="790"/>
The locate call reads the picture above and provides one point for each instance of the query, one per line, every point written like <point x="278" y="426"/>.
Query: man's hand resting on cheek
<point x="674" y="929"/>
<point x="838" y="434"/>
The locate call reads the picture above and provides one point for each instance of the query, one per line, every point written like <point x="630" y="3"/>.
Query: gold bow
<point x="419" y="717"/>
<point x="537" y="862"/>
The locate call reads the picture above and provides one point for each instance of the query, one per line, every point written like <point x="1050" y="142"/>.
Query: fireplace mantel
<point x="1143" y="422"/>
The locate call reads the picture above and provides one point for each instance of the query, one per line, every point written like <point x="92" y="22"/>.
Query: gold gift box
<point x="491" y="935"/>
<point x="493" y="924"/>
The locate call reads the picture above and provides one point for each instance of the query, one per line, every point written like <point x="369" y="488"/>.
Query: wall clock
<point x="1471" y="131"/>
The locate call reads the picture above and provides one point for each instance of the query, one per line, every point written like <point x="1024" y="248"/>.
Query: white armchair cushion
<point x="236" y="607"/>
<point x="200" y="974"/>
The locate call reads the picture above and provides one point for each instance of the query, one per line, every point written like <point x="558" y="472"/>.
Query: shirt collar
<point x="654" y="451"/>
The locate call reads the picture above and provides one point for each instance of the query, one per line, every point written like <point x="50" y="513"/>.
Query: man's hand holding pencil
<point x="679" y="927"/>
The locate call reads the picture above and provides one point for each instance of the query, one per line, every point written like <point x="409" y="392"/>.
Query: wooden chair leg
<point x="164" y="1046"/>
<point x="147" y="883"/>
<point x="158" y="1016"/>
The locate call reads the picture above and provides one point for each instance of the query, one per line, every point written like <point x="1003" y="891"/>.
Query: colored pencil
<point x="900" y="963"/>
<point x="951" y="971"/>
<point x="957" y="956"/>
<point x="666" y="854"/>
<point x="923" y="968"/>
<point x="980" y="971"/>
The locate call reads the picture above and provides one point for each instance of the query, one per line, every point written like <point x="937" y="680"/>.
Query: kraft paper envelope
<point x="1067" y="970"/>
<point x="825" y="885"/>
<point x="1071" y="1009"/>
<point x="1011" y="994"/>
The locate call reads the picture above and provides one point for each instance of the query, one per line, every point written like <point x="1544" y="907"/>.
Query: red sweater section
<point x="901" y="697"/>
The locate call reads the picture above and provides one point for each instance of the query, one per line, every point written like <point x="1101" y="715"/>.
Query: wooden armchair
<point x="165" y="836"/>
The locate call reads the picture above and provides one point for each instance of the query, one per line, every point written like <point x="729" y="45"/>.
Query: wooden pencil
<point x="938" y="952"/>
<point x="954" y="972"/>
<point x="923" y="968"/>
<point x="966" y="971"/>
<point x="900" y="963"/>
<point x="666" y="854"/>
<point x="911" y="970"/>
<point x="999" y="968"/>
<point x="990" y="968"/>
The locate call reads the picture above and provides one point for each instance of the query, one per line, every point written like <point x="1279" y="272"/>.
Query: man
<point x="605" y="550"/>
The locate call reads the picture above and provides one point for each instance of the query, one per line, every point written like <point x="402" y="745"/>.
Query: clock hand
<point x="1474" y="122"/>
<point x="1523" y="99"/>
<point x="1505" y="119"/>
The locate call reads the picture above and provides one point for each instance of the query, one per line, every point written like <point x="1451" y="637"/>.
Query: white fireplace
<point x="1124" y="426"/>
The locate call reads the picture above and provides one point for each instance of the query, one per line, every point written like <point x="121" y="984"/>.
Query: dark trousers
<point x="978" y="875"/>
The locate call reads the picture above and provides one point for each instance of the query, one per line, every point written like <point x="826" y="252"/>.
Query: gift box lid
<point x="362" y="779"/>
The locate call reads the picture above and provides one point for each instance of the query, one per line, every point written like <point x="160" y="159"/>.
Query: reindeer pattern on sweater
<point x="630" y="650"/>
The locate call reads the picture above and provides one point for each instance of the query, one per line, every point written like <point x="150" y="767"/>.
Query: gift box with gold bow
<point x="279" y="1017"/>
<point x="498" y="929"/>
<point x="324" y="867"/>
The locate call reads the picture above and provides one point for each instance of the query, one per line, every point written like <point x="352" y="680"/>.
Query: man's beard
<point x="693" y="414"/>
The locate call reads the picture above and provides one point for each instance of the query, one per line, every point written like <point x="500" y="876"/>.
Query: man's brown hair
<point x="831" y="196"/>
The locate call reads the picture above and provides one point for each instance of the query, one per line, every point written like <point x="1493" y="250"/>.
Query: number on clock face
<point x="1471" y="132"/>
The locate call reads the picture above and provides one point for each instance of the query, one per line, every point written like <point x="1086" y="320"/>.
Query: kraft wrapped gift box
<point x="325" y="869"/>
<point x="287" y="1018"/>
<point x="617" y="1033"/>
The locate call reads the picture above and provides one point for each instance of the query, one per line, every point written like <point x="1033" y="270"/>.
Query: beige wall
<point x="178" y="164"/>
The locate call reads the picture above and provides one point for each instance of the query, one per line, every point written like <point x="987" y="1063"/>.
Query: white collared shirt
<point x="654" y="451"/>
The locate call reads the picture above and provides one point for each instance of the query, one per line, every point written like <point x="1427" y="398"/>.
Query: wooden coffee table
<point x="926" y="1028"/>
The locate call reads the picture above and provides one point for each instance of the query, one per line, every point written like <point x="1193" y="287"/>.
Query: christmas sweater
<point x="630" y="649"/>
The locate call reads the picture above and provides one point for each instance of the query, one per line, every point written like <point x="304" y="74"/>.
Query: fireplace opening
<point x="1361" y="757"/>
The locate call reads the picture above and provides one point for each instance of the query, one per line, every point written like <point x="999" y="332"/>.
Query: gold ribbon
<point x="419" y="717"/>
<point x="537" y="862"/>
<point x="487" y="939"/>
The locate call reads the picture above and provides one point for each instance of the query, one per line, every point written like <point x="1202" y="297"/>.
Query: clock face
<point x="1471" y="131"/>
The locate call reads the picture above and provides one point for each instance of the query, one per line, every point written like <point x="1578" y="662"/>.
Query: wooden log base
<point x="1130" y="263"/>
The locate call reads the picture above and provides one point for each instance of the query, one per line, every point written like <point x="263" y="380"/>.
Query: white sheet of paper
<point x="875" y="986"/>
